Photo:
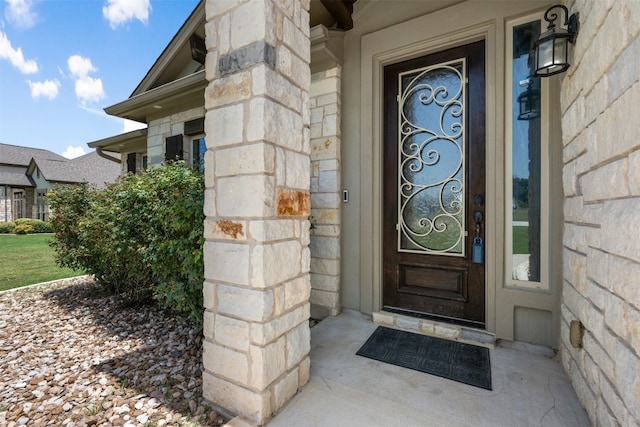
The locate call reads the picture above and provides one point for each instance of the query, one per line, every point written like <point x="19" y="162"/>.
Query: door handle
<point x="478" y="216"/>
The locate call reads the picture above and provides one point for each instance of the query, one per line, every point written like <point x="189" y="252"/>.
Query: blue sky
<point x="63" y="61"/>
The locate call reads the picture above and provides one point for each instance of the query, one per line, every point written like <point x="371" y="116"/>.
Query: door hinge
<point x="398" y="227"/>
<point x="398" y="99"/>
<point x="466" y="80"/>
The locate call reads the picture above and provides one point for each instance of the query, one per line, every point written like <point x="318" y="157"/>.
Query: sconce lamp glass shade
<point x="552" y="48"/>
<point x="529" y="104"/>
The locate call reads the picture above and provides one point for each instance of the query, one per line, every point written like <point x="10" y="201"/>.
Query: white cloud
<point x="119" y="12"/>
<point x="79" y="66"/>
<point x="47" y="89"/>
<point x="129" y="125"/>
<point x="19" y="13"/>
<point x="87" y="88"/>
<point x="73" y="152"/>
<point x="16" y="57"/>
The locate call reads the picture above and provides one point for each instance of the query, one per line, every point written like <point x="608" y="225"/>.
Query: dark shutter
<point x="131" y="162"/>
<point x="194" y="127"/>
<point x="173" y="148"/>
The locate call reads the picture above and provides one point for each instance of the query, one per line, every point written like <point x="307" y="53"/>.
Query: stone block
<point x="293" y="203"/>
<point x="596" y="294"/>
<point x="246" y="196"/>
<point x="225" y="230"/>
<point x="613" y="401"/>
<point x="249" y="23"/>
<point x="248" y="304"/>
<point x="325" y="247"/>
<point x="226" y="262"/>
<point x="634" y="173"/>
<point x="305" y="260"/>
<point x="330" y="125"/>
<point x="267" y="82"/>
<point x="325" y="283"/>
<point x="267" y="363"/>
<point x="328" y="230"/>
<point x="272" y="230"/>
<point x="446" y="331"/>
<point x="606" y="182"/>
<point x="330" y="267"/>
<point x="254" y="405"/>
<point x="269" y="121"/>
<point x="232" y="333"/>
<point x="298" y="344"/>
<point x="208" y="324"/>
<point x="324" y="298"/>
<point x="265" y="333"/>
<point x="304" y="371"/>
<point x="229" y="89"/>
<point x="428" y="328"/>
<point x="224" y="126"/>
<point x="267" y="266"/>
<point x="599" y="355"/>
<point x="597" y="266"/>
<point x="209" y="208"/>
<point x="209" y="295"/>
<point x="225" y="363"/>
<point x="329" y="182"/>
<point x="411" y="324"/>
<point x="615" y="315"/>
<point x="296" y="292"/>
<point x="285" y="389"/>
<point x="622" y="276"/>
<point x="323" y="147"/>
<point x="245" y="159"/>
<point x="619" y="224"/>
<point x="296" y="39"/>
<point x="326" y="200"/>
<point x="298" y="170"/>
<point x="628" y="378"/>
<point x="246" y="57"/>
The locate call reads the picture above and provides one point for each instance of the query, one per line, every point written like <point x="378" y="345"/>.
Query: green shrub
<point x="140" y="237"/>
<point x="23" y="229"/>
<point x="38" y="225"/>
<point x="7" y="227"/>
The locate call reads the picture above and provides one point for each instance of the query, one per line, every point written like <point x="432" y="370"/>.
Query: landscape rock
<point x="74" y="357"/>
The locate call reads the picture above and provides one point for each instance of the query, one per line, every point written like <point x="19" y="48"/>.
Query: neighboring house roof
<point x="15" y="179"/>
<point x="17" y="164"/>
<point x="89" y="168"/>
<point x="15" y="155"/>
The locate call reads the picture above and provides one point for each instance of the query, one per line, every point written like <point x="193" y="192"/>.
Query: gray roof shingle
<point x="21" y="156"/>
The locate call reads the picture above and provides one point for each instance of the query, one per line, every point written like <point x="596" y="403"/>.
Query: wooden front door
<point x="434" y="185"/>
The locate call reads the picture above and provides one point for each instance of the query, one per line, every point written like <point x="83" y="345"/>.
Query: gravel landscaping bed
<point x="72" y="357"/>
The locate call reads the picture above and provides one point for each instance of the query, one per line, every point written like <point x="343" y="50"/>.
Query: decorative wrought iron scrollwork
<point x="431" y="159"/>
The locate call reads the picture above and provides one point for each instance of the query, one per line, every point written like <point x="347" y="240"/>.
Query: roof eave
<point x="168" y="96"/>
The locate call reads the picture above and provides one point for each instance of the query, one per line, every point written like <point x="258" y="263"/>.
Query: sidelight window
<point x="527" y="177"/>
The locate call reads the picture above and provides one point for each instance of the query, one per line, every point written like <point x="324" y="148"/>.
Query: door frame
<point x="377" y="50"/>
<point x="468" y="303"/>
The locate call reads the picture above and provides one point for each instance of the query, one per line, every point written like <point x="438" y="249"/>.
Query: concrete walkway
<point x="529" y="388"/>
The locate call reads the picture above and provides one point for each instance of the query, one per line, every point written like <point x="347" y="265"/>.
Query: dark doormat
<point x="465" y="363"/>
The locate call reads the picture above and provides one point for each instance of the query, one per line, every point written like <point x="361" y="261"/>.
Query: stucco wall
<point x="601" y="156"/>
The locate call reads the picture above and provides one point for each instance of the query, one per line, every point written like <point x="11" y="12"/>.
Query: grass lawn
<point x="520" y="240"/>
<point x="28" y="259"/>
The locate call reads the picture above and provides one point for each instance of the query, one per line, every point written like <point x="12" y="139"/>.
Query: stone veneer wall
<point x="600" y="96"/>
<point x="326" y="196"/>
<point x="257" y="204"/>
<point x="160" y="129"/>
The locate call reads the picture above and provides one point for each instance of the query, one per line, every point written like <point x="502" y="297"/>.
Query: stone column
<point x="326" y="193"/>
<point x="257" y="204"/>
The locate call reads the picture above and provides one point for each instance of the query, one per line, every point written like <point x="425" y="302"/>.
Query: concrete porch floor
<point x="530" y="388"/>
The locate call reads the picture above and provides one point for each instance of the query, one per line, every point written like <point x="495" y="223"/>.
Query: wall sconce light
<point x="552" y="48"/>
<point x="529" y="102"/>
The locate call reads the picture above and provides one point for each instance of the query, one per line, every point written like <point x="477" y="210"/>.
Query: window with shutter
<point x="173" y="149"/>
<point x="131" y="162"/>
